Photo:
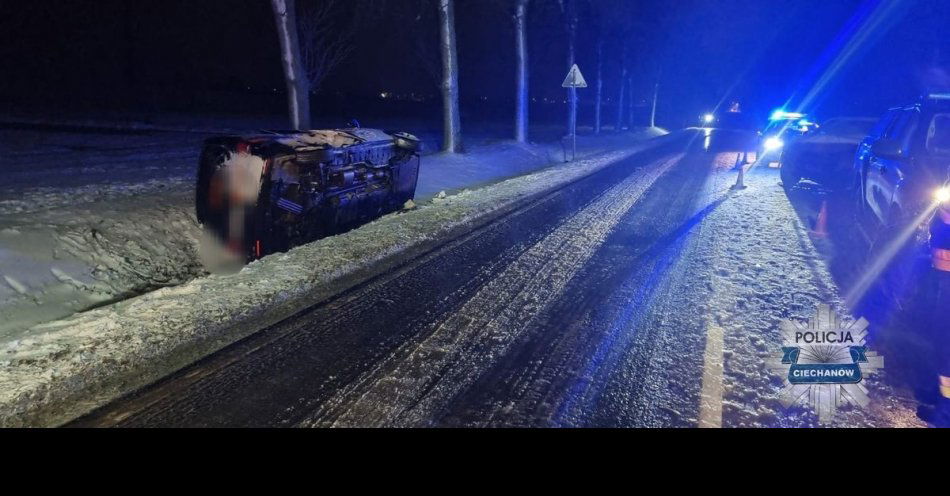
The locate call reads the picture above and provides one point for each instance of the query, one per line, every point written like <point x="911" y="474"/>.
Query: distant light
<point x="942" y="195"/>
<point x="939" y="96"/>
<point x="773" y="143"/>
<point x="781" y="114"/>
<point x="709" y="118"/>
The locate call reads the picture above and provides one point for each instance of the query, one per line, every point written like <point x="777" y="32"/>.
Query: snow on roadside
<point x="759" y="266"/>
<point x="89" y="250"/>
<point x="56" y="371"/>
<point x="480" y="165"/>
<point x="89" y="219"/>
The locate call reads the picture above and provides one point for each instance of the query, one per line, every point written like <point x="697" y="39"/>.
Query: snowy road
<point x="646" y="294"/>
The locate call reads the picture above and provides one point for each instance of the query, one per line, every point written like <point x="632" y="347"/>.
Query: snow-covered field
<point x="111" y="221"/>
<point x="86" y="219"/>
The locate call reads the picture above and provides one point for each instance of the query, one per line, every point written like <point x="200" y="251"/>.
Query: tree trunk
<point x="656" y="93"/>
<point x="521" y="80"/>
<point x="451" y="121"/>
<point x="620" y="98"/>
<point x="571" y="92"/>
<point x="599" y="91"/>
<point x="632" y="105"/>
<point x="298" y="94"/>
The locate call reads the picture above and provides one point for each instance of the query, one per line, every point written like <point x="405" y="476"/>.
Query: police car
<point x="783" y="127"/>
<point x="901" y="187"/>
<point x="901" y="173"/>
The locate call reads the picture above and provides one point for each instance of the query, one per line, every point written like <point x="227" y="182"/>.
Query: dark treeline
<point x="375" y="58"/>
<point x="506" y="40"/>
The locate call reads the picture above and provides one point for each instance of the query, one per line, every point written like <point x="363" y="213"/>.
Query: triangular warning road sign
<point x="574" y="79"/>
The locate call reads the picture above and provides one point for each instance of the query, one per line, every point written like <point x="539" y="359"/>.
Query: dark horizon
<point x="91" y="57"/>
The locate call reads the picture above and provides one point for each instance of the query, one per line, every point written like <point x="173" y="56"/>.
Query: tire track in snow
<point x="557" y="360"/>
<point x="405" y="391"/>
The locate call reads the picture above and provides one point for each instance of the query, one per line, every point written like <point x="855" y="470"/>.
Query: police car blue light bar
<point x="780" y="115"/>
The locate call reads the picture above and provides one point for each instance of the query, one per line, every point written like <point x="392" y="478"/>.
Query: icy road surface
<point x="647" y="294"/>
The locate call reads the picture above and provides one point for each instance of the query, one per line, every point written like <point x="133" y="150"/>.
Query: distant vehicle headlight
<point x="942" y="195"/>
<point x="709" y="118"/>
<point x="773" y="143"/>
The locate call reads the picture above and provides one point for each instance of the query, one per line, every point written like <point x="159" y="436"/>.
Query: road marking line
<point x="710" y="405"/>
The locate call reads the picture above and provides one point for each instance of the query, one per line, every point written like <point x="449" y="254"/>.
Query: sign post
<point x="573" y="81"/>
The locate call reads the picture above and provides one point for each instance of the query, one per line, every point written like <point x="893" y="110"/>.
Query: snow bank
<point x="487" y="163"/>
<point x="89" y="219"/>
<point x="69" y="250"/>
<point x="59" y="370"/>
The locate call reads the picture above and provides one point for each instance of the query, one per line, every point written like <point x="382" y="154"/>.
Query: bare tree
<point x="419" y="22"/>
<point x="569" y="10"/>
<point x="298" y="94"/>
<point x="632" y="104"/>
<point x="451" y="121"/>
<point x="599" y="85"/>
<point x="518" y="10"/>
<point x="612" y="20"/>
<point x="656" y="94"/>
<point x="521" y="77"/>
<point x="606" y="14"/>
<point x="622" y="90"/>
<point x="325" y="42"/>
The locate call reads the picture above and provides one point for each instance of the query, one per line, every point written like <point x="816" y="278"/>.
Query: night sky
<point x="176" y="55"/>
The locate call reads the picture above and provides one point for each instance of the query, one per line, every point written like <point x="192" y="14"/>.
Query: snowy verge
<point x="64" y="260"/>
<point x="60" y="370"/>
<point x="90" y="219"/>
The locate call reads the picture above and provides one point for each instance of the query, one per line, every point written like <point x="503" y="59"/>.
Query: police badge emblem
<point x="825" y="363"/>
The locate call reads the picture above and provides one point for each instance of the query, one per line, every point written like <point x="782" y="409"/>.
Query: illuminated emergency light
<point x="773" y="143"/>
<point x="780" y="115"/>
<point x="942" y="195"/>
<point x="709" y="118"/>
<point x="939" y="96"/>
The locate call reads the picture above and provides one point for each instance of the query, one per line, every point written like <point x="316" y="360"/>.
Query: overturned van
<point x="267" y="193"/>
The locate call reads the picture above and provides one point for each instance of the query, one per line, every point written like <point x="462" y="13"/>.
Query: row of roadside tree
<point x="316" y="36"/>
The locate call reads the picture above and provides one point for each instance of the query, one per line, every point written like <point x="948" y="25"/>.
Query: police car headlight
<point x="773" y="143"/>
<point x="942" y="195"/>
